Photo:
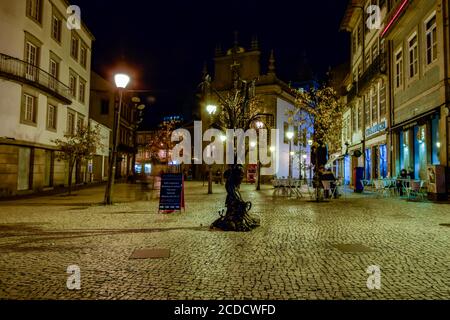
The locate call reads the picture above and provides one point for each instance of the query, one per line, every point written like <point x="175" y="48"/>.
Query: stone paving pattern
<point x="293" y="255"/>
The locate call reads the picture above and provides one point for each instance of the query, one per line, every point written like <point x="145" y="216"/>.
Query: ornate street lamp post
<point x="121" y="81"/>
<point x="290" y="136"/>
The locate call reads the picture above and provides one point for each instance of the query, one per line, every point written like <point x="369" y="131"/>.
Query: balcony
<point x="18" y="70"/>
<point x="376" y="68"/>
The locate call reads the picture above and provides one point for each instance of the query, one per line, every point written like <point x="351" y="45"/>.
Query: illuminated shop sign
<point x="375" y="129"/>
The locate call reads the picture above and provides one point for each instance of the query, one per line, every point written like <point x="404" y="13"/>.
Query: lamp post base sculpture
<point x="236" y="217"/>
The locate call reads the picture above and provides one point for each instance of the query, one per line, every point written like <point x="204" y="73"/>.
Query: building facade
<point x="44" y="93"/>
<point x="418" y="34"/>
<point x="365" y="119"/>
<point x="276" y="99"/>
<point x="398" y="90"/>
<point x="103" y="106"/>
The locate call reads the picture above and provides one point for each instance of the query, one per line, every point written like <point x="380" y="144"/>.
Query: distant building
<point x="44" y="93"/>
<point x="276" y="96"/>
<point x="104" y="101"/>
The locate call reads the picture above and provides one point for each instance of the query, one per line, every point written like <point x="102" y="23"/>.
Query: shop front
<point x="376" y="153"/>
<point x="417" y="145"/>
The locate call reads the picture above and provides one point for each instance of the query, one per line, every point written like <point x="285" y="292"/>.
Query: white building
<point x="44" y="92"/>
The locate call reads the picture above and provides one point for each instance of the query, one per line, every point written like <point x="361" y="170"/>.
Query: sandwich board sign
<point x="171" y="197"/>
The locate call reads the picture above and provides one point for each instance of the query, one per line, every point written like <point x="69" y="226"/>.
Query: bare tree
<point x="78" y="147"/>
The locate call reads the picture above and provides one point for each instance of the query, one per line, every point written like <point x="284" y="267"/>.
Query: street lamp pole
<point x="211" y="109"/>
<point x="122" y="81"/>
<point x="290" y="136"/>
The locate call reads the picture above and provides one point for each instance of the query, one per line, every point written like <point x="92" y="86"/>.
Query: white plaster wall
<point x="283" y="149"/>
<point x="13" y="24"/>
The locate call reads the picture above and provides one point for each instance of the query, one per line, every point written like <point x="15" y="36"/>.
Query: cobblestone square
<point x="303" y="250"/>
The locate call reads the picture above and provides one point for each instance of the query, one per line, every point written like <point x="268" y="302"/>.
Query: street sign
<point x="171" y="196"/>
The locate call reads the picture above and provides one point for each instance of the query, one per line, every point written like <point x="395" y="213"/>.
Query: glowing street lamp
<point x="290" y="136"/>
<point x="122" y="80"/>
<point x="211" y="109"/>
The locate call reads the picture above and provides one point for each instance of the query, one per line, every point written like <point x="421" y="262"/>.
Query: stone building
<point x="398" y="91"/>
<point x="44" y="92"/>
<point x="418" y="37"/>
<point x="276" y="97"/>
<point x="365" y="119"/>
<point x="104" y="101"/>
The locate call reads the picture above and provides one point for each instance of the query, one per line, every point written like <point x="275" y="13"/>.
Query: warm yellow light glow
<point x="305" y="156"/>
<point x="310" y="142"/>
<point x="290" y="135"/>
<point x="223" y="138"/>
<point x="438" y="144"/>
<point x="253" y="144"/>
<point x="272" y="149"/>
<point x="259" y="125"/>
<point x="211" y="109"/>
<point x="292" y="153"/>
<point x="121" y="80"/>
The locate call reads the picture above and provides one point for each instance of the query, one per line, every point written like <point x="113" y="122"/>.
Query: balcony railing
<point x="18" y="70"/>
<point x="377" y="67"/>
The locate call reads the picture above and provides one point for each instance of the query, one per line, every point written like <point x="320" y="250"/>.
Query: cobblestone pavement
<point x="303" y="250"/>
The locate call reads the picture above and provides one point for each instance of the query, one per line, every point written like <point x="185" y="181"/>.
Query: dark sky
<point x="165" y="43"/>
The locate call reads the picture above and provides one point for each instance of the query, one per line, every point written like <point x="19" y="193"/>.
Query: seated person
<point x="328" y="175"/>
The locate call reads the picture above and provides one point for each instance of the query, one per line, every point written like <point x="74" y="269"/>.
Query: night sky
<point x="164" y="44"/>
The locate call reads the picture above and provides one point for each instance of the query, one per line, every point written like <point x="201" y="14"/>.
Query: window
<point x="34" y="10"/>
<point x="399" y="69"/>
<point x="355" y="119"/>
<point x="70" y="122"/>
<point x="83" y="56"/>
<point x="413" y="56"/>
<point x="51" y="117"/>
<point x="431" y="39"/>
<point x="367" y="110"/>
<point x="375" y="104"/>
<point x="359" y="35"/>
<point x="104" y="107"/>
<point x="56" y="28"/>
<point x="375" y="51"/>
<point x="82" y="93"/>
<point x="368" y="61"/>
<point x="29" y="111"/>
<point x="383" y="100"/>
<point x="80" y="122"/>
<point x="354" y="43"/>
<point x="31" y="57"/>
<point x="54" y="68"/>
<point x="360" y="117"/>
<point x="74" y="45"/>
<point x="360" y="71"/>
<point x="73" y="85"/>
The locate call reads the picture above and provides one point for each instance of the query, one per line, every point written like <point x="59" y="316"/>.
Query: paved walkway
<point x="303" y="250"/>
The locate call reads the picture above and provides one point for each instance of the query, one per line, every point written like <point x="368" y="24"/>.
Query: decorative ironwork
<point x="18" y="70"/>
<point x="236" y="217"/>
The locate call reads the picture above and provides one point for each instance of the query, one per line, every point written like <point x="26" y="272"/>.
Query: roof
<point x="352" y="6"/>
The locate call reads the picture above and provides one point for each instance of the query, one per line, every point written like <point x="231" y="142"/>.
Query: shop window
<point x="435" y="142"/>
<point x="383" y="161"/>
<point x="368" y="168"/>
